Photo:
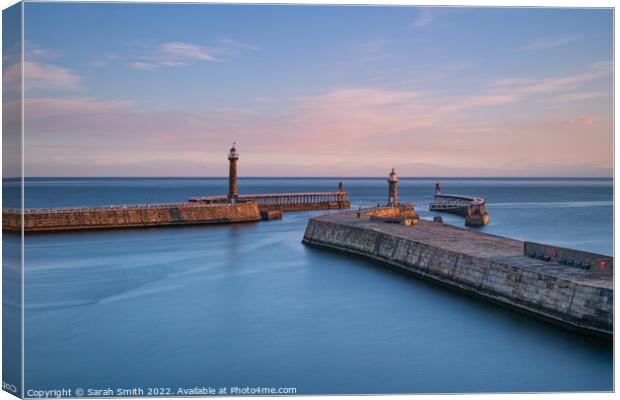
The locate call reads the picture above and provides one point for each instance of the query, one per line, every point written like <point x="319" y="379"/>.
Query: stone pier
<point x="128" y="216"/>
<point x="472" y="208"/>
<point x="539" y="280"/>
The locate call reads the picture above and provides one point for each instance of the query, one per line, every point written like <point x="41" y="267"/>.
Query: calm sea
<point x="249" y="305"/>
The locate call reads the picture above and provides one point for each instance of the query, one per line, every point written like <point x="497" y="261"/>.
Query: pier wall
<point x="12" y="220"/>
<point x="504" y="280"/>
<point x="137" y="216"/>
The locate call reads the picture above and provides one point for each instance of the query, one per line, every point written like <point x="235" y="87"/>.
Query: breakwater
<point x="198" y="210"/>
<point x="472" y="208"/>
<point x="128" y="216"/>
<point x="494" y="268"/>
<point x="287" y="202"/>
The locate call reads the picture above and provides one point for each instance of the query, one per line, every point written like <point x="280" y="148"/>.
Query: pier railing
<point x="260" y="199"/>
<point x="123" y="207"/>
<point x="455" y="200"/>
<point x="446" y="202"/>
<point x="280" y="199"/>
<point x="472" y="208"/>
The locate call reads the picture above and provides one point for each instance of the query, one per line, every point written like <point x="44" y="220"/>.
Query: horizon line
<point x="304" y="177"/>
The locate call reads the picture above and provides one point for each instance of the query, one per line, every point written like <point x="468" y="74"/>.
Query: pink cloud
<point x="42" y="53"/>
<point x="355" y="127"/>
<point x="588" y="120"/>
<point x="40" y="76"/>
<point x="173" y="63"/>
<point x="49" y="76"/>
<point x="39" y="109"/>
<point x="582" y="96"/>
<point x="512" y="82"/>
<point x="180" y="54"/>
<point x="185" y="51"/>
<point x="143" y="66"/>
<point x="522" y="87"/>
<point x="549" y="42"/>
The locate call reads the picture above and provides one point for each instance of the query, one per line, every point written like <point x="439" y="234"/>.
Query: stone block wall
<point x="12" y="221"/>
<point x="270" y="215"/>
<point x="131" y="216"/>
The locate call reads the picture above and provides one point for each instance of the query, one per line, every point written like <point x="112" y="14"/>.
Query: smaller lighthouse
<point x="392" y="189"/>
<point x="233" y="156"/>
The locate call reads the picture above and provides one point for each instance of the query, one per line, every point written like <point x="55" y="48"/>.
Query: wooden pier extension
<point x="285" y="202"/>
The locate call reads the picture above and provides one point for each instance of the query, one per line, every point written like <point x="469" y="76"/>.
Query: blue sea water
<point x="249" y="305"/>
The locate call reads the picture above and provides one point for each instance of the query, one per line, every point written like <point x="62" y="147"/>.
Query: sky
<point x="165" y="89"/>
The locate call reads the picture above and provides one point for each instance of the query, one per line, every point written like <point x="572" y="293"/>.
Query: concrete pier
<point x="494" y="268"/>
<point x="128" y="216"/>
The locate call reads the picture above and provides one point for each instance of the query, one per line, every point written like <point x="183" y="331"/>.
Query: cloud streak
<point x="177" y="51"/>
<point x="143" y="66"/>
<point x="181" y="54"/>
<point x="518" y="87"/>
<point x="550" y="42"/>
<point x="40" y="76"/>
<point x="578" y="96"/>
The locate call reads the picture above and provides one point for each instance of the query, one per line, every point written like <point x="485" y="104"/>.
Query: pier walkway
<point x="302" y="201"/>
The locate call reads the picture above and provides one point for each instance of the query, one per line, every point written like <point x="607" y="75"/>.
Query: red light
<point x="603" y="265"/>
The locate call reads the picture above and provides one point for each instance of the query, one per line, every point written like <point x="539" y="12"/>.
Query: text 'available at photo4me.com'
<point x="160" y="391"/>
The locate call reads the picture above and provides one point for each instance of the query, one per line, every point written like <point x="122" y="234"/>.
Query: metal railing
<point x="207" y="201"/>
<point x="441" y="198"/>
<point x="280" y="198"/>
<point x="449" y="202"/>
